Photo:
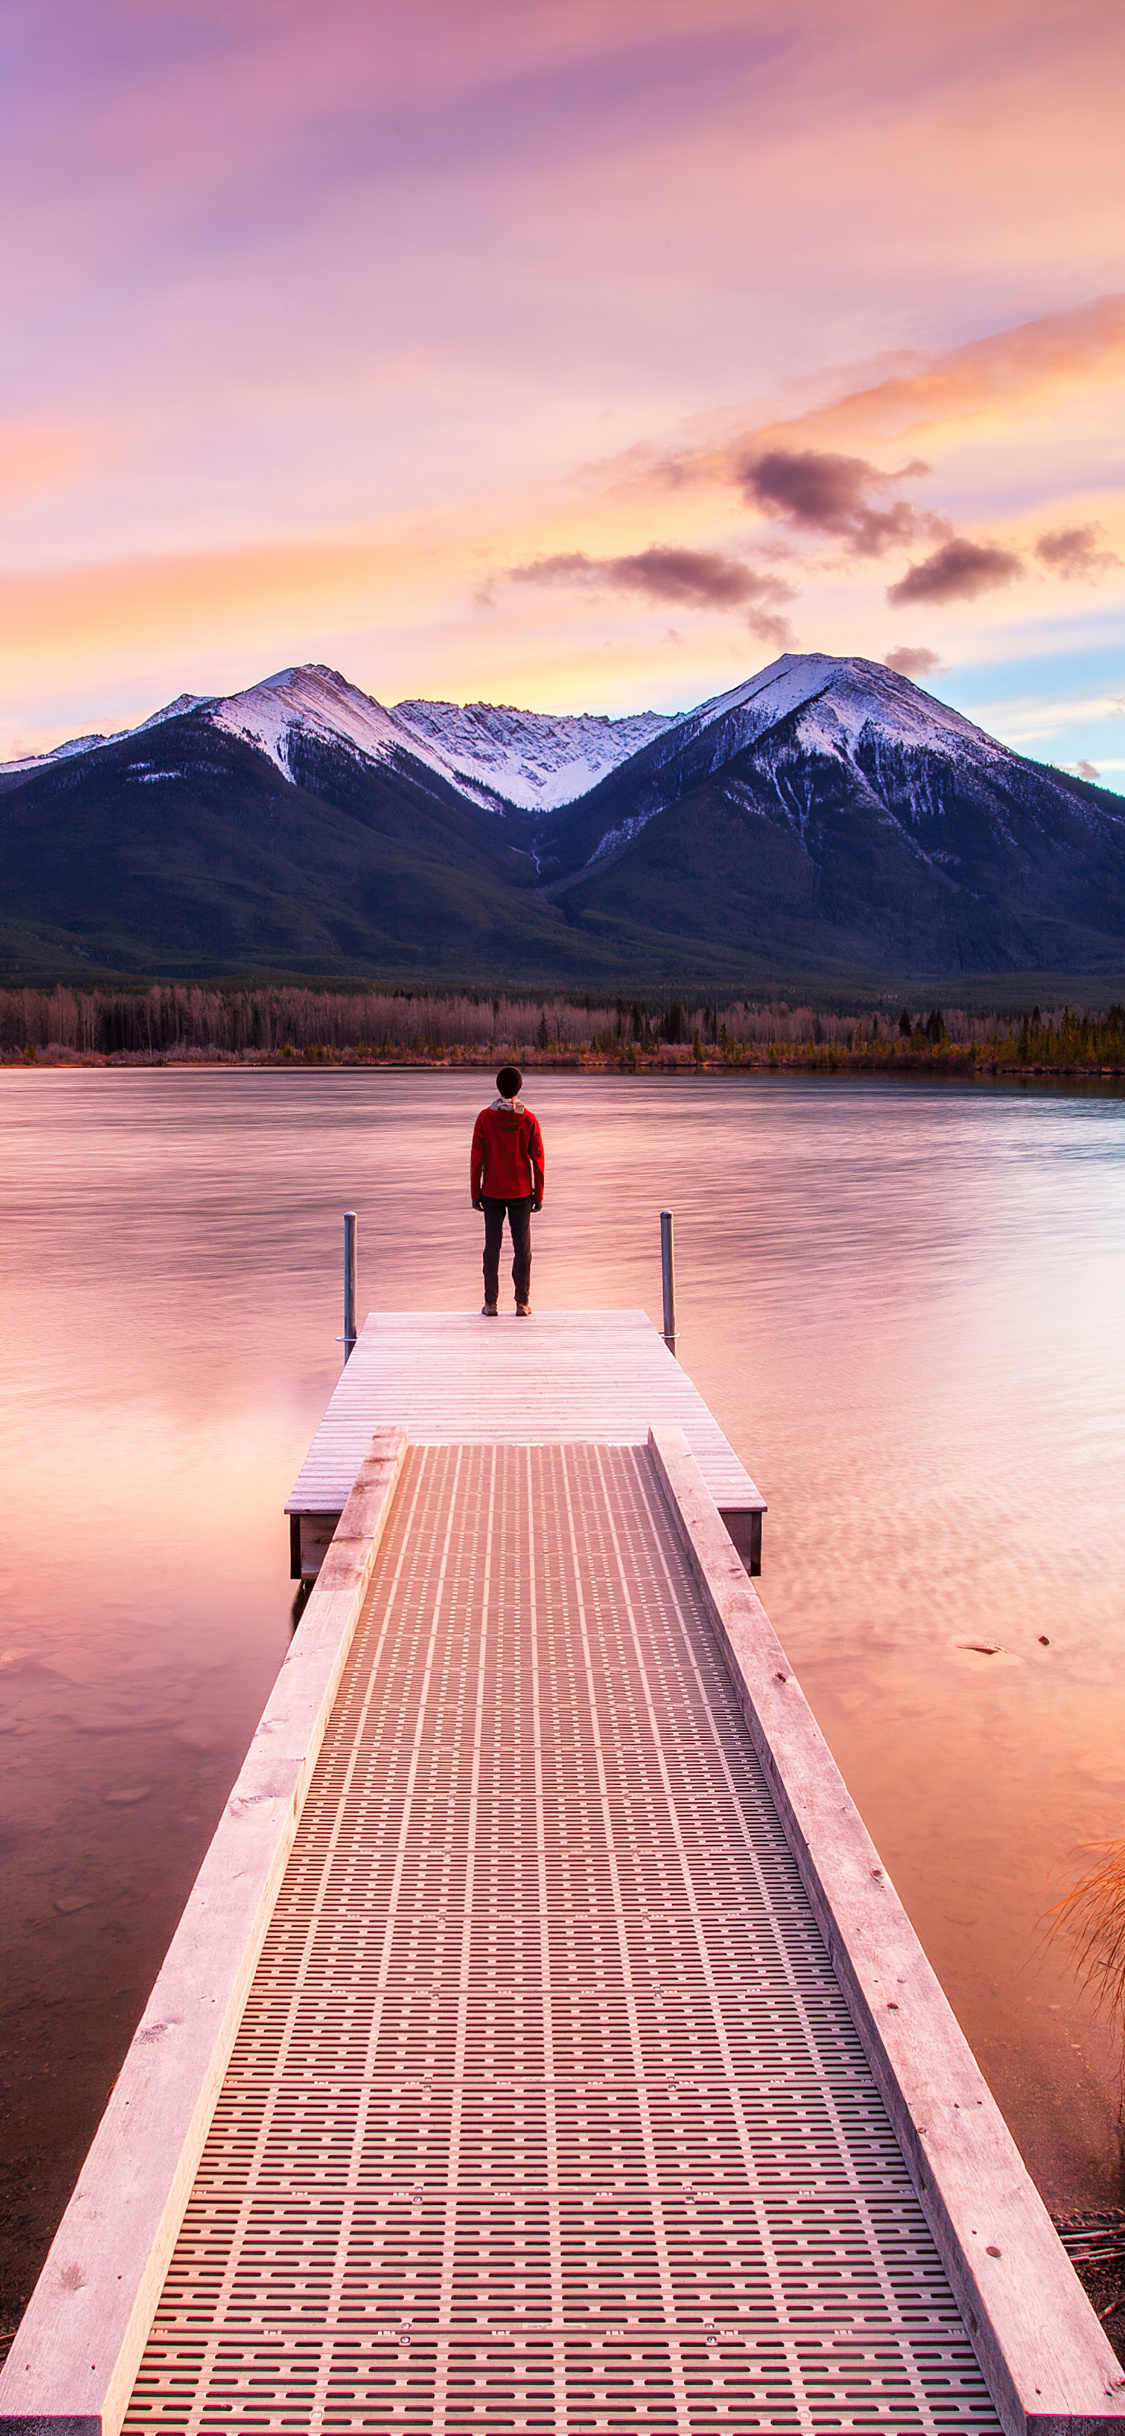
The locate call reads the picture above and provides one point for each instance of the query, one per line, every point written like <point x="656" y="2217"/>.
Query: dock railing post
<point x="668" y="1276"/>
<point x="349" y="1282"/>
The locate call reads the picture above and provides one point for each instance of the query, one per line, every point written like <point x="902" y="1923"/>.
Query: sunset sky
<point x="582" y="357"/>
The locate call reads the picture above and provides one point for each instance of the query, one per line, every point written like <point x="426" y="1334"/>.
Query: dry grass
<point x="1093" y="1914"/>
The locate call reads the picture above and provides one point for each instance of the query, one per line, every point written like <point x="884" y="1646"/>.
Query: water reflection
<point x="905" y="1305"/>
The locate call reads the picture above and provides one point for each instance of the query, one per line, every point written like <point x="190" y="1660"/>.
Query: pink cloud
<point x="1073" y="552"/>
<point x="912" y="660"/>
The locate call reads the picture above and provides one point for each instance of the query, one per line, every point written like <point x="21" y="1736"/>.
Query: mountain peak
<point x="859" y="692"/>
<point x="313" y="701"/>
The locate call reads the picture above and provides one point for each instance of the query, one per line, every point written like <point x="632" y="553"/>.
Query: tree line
<point x="178" y="1022"/>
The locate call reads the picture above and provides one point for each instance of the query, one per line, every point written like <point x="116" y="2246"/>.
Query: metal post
<point x="668" y="1274"/>
<point x="349" y="1282"/>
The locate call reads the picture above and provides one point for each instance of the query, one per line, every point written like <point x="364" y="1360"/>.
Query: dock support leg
<point x="310" y="1537"/>
<point x="349" y="1283"/>
<point x="668" y="1278"/>
<point x="745" y="1529"/>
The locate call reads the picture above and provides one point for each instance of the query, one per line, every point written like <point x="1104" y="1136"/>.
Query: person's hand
<point x="478" y="1205"/>
<point x="536" y="1206"/>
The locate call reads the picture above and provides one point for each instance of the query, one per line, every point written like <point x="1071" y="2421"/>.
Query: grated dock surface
<point x="546" y="2111"/>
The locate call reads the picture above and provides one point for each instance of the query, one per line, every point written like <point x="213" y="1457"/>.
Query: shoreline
<point x="898" y="1063"/>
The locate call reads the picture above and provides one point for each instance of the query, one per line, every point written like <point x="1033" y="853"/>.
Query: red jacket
<point x="507" y="1155"/>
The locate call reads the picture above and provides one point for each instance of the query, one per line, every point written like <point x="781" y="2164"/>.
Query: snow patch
<point x="172" y="710"/>
<point x="623" y="835"/>
<point x="318" y="703"/>
<point x="855" y="694"/>
<point x="537" y="760"/>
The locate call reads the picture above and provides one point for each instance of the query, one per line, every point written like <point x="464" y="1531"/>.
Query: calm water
<point x="904" y="1303"/>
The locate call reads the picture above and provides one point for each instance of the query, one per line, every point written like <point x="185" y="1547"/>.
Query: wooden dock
<point x="543" y="2046"/>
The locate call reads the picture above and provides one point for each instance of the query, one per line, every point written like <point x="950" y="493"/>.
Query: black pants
<point x="519" y="1220"/>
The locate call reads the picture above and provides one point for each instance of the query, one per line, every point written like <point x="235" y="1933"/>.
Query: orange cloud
<point x="1014" y="366"/>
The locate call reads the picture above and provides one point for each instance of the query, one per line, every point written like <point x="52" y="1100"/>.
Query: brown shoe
<point x="523" y="1310"/>
<point x="489" y="1311"/>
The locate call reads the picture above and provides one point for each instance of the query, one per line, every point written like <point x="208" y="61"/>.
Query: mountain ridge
<point x="823" y="818"/>
<point x="546" y="758"/>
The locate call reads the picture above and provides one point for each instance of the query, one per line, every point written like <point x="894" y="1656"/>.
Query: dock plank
<point x="454" y="1378"/>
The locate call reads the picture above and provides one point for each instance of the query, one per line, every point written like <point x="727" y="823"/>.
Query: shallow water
<point x="904" y="1303"/>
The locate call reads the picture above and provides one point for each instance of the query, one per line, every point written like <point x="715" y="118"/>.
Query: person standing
<point x="506" y="1174"/>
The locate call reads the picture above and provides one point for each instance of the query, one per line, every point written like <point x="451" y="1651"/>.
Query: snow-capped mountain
<point x="90" y="744"/>
<point x="494" y="755"/>
<point x="825" y="821"/>
<point x="831" y="800"/>
<point x="850" y="709"/>
<point x="537" y="759"/>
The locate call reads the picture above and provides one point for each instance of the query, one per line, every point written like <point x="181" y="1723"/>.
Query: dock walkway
<point x="543" y="2047"/>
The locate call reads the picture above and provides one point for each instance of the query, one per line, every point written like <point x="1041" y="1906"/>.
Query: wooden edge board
<point x="1048" y="2364"/>
<point x="73" y="2364"/>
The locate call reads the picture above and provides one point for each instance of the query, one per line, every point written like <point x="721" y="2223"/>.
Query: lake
<point x="905" y="1304"/>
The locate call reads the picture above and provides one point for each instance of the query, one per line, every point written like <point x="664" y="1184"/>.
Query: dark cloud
<point x="692" y="579"/>
<point x="956" y="572"/>
<point x="1086" y="769"/>
<point x="911" y="660"/>
<point x="1073" y="553"/>
<point x="702" y="579"/>
<point x="819" y="492"/>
